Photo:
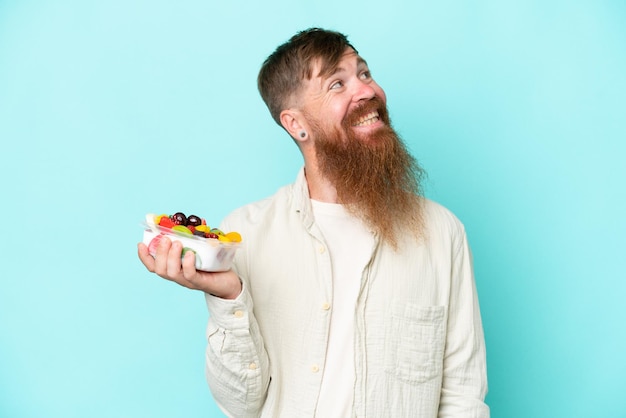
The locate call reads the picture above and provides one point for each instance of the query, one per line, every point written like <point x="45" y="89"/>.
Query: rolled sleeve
<point x="237" y="365"/>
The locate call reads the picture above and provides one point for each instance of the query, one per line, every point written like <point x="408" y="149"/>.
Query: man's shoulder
<point x="438" y="216"/>
<point x="260" y="208"/>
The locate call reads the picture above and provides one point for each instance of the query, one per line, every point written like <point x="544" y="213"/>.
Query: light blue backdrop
<point x="109" y="110"/>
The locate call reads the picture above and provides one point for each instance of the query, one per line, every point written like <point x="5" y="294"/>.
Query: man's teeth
<point x="367" y="119"/>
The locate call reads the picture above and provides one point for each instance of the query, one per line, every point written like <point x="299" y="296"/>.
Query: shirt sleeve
<point x="464" y="385"/>
<point x="237" y="365"/>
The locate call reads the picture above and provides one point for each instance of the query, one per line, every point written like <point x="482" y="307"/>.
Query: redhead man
<point x="352" y="295"/>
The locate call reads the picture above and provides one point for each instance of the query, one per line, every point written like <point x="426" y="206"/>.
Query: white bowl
<point x="211" y="254"/>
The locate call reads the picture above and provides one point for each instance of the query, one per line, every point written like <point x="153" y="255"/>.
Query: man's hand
<point x="167" y="263"/>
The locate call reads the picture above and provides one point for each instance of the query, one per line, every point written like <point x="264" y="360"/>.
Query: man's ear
<point x="295" y="124"/>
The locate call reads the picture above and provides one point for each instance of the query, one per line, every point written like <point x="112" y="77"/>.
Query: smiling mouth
<point x="368" y="119"/>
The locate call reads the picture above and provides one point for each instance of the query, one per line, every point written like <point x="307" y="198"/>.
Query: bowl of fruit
<point x="214" y="249"/>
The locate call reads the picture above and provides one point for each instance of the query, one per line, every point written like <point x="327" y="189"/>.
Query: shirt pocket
<point x="416" y="343"/>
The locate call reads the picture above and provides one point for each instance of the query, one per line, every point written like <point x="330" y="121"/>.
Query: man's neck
<point x="320" y="188"/>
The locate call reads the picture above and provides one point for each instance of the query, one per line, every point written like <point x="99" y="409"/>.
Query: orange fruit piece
<point x="233" y="236"/>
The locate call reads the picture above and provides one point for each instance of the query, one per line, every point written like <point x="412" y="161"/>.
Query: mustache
<point x="374" y="104"/>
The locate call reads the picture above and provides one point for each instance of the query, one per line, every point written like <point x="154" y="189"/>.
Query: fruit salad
<point x="214" y="249"/>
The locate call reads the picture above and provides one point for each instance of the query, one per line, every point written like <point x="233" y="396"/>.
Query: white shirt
<point x="350" y="245"/>
<point x="419" y="344"/>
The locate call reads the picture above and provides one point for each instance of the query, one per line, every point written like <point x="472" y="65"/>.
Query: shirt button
<point x="252" y="366"/>
<point x="325" y="306"/>
<point x="239" y="314"/>
<point x="321" y="250"/>
<point x="315" y="368"/>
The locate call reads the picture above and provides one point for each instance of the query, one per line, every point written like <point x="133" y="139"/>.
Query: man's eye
<point x="365" y="75"/>
<point x="336" y="85"/>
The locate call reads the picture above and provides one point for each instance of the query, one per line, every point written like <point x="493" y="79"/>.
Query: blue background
<point x="109" y="110"/>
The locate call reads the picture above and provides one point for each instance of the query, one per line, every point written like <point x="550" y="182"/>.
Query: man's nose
<point x="363" y="91"/>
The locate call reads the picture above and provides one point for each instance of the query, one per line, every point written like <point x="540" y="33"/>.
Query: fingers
<point x="189" y="265"/>
<point x="167" y="259"/>
<point x="173" y="267"/>
<point x="167" y="263"/>
<point x="145" y="257"/>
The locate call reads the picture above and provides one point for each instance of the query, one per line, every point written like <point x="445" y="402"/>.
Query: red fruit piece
<point x="154" y="243"/>
<point x="166" y="222"/>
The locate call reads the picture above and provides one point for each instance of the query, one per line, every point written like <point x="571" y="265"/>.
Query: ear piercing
<point x="302" y="134"/>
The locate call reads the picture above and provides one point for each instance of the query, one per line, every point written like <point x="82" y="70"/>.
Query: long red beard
<point x="375" y="177"/>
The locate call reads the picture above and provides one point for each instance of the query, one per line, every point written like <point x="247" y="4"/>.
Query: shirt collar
<point x="302" y="199"/>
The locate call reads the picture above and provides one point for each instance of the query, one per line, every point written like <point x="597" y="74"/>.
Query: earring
<point x="302" y="134"/>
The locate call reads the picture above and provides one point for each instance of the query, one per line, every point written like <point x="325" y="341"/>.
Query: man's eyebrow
<point x="360" y="62"/>
<point x="335" y="71"/>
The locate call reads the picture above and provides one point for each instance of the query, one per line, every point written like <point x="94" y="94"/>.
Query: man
<point x="352" y="295"/>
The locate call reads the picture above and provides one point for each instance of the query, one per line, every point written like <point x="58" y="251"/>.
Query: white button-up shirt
<point x="419" y="344"/>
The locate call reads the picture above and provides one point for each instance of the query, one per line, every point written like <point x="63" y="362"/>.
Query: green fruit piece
<point x="181" y="229"/>
<point x="217" y="231"/>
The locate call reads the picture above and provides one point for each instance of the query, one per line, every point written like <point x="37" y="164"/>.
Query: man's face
<point x="341" y="103"/>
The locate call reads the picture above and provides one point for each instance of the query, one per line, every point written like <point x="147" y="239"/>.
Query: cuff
<point x="230" y="314"/>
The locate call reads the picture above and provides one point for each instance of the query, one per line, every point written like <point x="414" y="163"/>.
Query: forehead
<point x="313" y="88"/>
<point x="323" y="68"/>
